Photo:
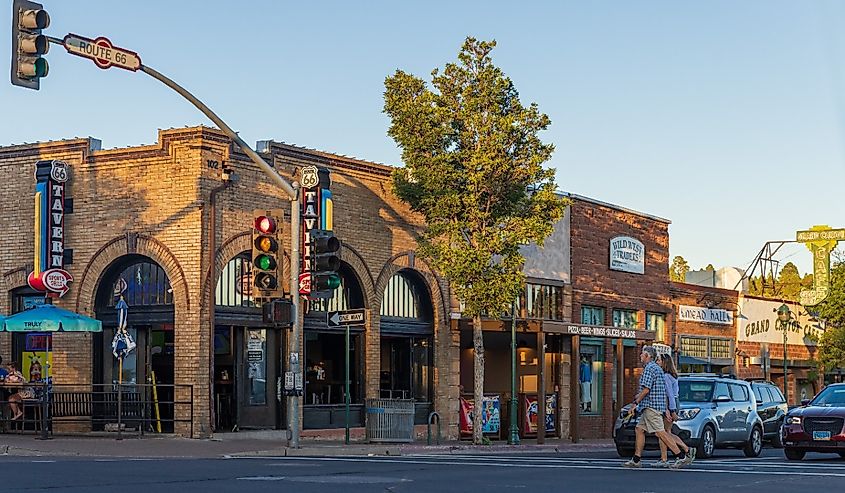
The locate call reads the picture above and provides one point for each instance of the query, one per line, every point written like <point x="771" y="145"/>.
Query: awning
<point x="50" y="318"/>
<point x="689" y="360"/>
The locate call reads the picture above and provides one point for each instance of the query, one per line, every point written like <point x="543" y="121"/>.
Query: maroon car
<point x="817" y="426"/>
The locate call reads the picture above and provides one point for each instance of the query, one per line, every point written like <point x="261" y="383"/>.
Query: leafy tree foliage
<point x="831" y="353"/>
<point x="473" y="169"/>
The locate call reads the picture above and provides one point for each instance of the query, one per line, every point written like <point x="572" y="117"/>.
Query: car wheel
<point x="793" y="454"/>
<point x="707" y="443"/>
<point x="624" y="451"/>
<point x="777" y="440"/>
<point x="755" y="443"/>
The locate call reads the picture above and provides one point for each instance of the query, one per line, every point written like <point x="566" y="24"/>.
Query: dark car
<point x="817" y="426"/>
<point x="772" y="408"/>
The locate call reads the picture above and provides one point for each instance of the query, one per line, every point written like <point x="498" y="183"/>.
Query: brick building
<point x="703" y="328"/>
<point x="145" y="219"/>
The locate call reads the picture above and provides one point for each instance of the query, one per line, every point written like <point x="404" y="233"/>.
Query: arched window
<point x="406" y="304"/>
<point x="345" y="297"/>
<point x="234" y="287"/>
<point x="146" y="284"/>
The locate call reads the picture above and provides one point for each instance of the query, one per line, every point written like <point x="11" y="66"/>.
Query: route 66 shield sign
<point x="59" y="171"/>
<point x="308" y="177"/>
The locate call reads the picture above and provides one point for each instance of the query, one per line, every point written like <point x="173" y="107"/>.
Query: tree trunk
<point x="478" y="379"/>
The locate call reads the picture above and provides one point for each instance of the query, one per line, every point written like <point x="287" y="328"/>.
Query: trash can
<point x="390" y="420"/>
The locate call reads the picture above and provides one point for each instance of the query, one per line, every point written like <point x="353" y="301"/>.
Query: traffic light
<point x="266" y="257"/>
<point x="325" y="262"/>
<point x="28" y="44"/>
<point x="278" y="312"/>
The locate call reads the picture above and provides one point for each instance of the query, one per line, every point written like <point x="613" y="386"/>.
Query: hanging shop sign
<point x="706" y="315"/>
<point x="49" y="275"/>
<point x="760" y="323"/>
<point x="627" y="255"/>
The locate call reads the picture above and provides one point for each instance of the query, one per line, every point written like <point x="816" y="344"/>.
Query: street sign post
<point x="102" y="52"/>
<point x="346" y="318"/>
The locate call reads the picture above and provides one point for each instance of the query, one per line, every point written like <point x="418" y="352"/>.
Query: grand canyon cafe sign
<point x="49" y="275"/>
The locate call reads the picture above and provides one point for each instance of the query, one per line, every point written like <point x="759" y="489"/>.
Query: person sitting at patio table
<point x="15" y="378"/>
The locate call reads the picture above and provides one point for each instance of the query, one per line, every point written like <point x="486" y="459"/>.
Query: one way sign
<point x="346" y="317"/>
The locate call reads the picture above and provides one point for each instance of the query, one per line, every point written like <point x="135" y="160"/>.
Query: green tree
<point x="789" y="282"/>
<point x="473" y="169"/>
<point x="678" y="269"/>
<point x="832" y="311"/>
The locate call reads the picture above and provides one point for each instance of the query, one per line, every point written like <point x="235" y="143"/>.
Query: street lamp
<point x="784" y="316"/>
<point x="513" y="437"/>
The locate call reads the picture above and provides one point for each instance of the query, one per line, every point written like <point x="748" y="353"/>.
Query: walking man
<point x="650" y="402"/>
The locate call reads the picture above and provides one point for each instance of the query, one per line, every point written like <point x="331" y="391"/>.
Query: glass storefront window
<point x="625" y="318"/>
<point x="590" y="371"/>
<point x="405" y="368"/>
<point x="544" y="302"/>
<point x="592" y="315"/>
<point x="324" y="368"/>
<point x="720" y="348"/>
<point x="656" y="322"/>
<point x="256" y="358"/>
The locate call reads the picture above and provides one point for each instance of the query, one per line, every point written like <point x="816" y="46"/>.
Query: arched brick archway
<point x="446" y="342"/>
<point x="127" y="245"/>
<point x="353" y="259"/>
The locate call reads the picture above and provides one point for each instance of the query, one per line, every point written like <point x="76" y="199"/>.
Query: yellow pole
<point x="155" y="402"/>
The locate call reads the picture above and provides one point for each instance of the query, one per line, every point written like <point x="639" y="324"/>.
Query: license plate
<point x="821" y="435"/>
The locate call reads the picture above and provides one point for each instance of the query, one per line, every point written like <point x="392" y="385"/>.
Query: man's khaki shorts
<point x="651" y="421"/>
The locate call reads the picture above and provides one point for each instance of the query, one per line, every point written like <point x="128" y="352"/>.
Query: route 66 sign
<point x="59" y="171"/>
<point x="308" y="177"/>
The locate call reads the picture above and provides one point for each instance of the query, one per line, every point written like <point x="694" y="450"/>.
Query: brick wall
<point x="593" y="225"/>
<point x="154" y="201"/>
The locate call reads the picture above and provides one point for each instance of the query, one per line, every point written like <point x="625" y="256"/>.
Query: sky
<point x="725" y="117"/>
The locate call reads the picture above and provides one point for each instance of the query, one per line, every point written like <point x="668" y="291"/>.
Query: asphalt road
<point x="589" y="473"/>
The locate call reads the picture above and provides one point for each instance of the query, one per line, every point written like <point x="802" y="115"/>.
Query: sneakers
<point x="679" y="463"/>
<point x="691" y="454"/>
<point x="660" y="464"/>
<point x="632" y="464"/>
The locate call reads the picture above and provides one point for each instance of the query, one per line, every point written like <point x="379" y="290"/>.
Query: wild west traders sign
<point x="49" y="275"/>
<point x="627" y="255"/>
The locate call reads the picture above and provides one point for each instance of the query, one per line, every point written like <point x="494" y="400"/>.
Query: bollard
<point x="431" y="416"/>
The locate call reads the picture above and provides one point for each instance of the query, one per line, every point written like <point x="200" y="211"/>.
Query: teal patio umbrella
<point x="50" y="318"/>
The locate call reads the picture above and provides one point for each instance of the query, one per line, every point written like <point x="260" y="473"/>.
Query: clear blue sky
<point x="726" y="117"/>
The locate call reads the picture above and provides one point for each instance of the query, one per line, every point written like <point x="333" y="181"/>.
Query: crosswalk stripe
<point x="563" y="465"/>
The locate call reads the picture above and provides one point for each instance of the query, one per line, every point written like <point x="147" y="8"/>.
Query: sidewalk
<point x="259" y="444"/>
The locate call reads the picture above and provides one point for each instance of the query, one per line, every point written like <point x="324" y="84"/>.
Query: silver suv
<point x="715" y="412"/>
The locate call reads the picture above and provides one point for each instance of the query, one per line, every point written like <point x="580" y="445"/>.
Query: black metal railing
<point x="87" y="408"/>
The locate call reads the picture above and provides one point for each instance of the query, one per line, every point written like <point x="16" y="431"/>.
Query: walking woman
<point x="670" y="376"/>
